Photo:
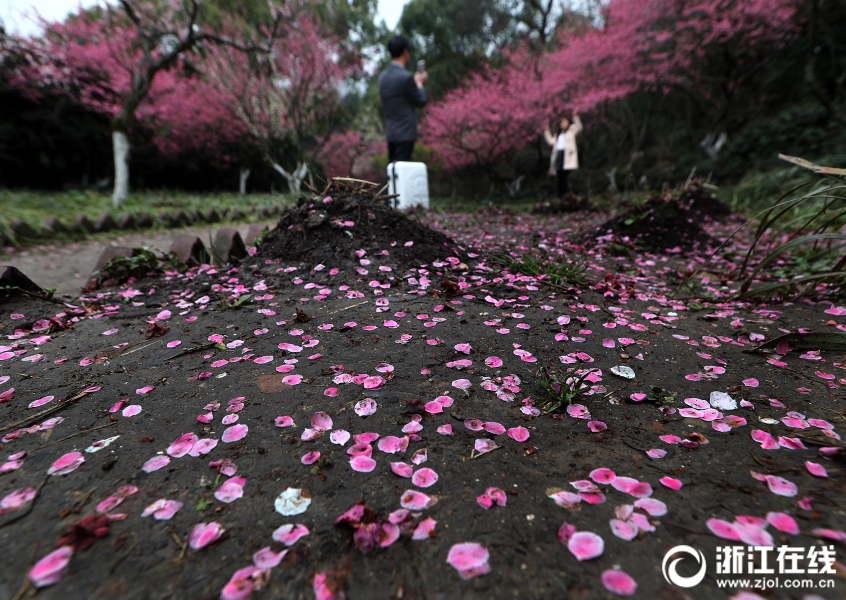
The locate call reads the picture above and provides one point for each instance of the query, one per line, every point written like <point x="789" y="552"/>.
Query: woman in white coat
<point x="565" y="154"/>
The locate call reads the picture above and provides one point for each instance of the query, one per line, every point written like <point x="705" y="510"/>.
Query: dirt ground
<point x="378" y="309"/>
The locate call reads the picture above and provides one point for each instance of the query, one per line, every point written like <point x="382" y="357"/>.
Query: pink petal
<point x="723" y="529"/>
<point x="633" y="487"/>
<point x="374" y="383"/>
<point x="783" y="522"/>
<point x="424" y="477"/>
<point x="781" y="486"/>
<point x="402" y="469"/>
<point x="40" y="401"/>
<point x="483" y="446"/>
<point x="321" y="421"/>
<point x="362" y="464"/>
<point x="231" y="490"/>
<point x="131" y="410"/>
<point x="310" y="458"/>
<point x="204" y="534"/>
<point x="585" y="545"/>
<point x="651" y="506"/>
<point x="625" y="530"/>
<point x="816" y="469"/>
<point x="339" y="436"/>
<point x="366" y="407"/>
<point x="565" y="532"/>
<point x="425" y="529"/>
<point x="672" y="483"/>
<point x="290" y="533"/>
<point x="468" y="555"/>
<point x="391" y="444"/>
<point x="619" y="582"/>
<point x="493" y="362"/>
<point x="50" y="568"/>
<point x="182" y="445"/>
<point x="603" y="475"/>
<point x="67" y="463"/>
<point x="202" y="447"/>
<point x="414" y="500"/>
<point x="766" y="440"/>
<point x="267" y="558"/>
<point x="234" y="433"/>
<point x="754" y="536"/>
<point x="494" y="428"/>
<point x="155" y="463"/>
<point x="518" y="434"/>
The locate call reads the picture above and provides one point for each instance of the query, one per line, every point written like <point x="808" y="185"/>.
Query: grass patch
<point x="34" y="207"/>
<point x="558" y="271"/>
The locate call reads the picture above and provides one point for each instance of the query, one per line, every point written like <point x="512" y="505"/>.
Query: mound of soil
<point x="667" y="221"/>
<point x="333" y="229"/>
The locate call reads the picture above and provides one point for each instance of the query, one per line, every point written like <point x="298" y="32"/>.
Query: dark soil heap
<point x="666" y="221"/>
<point x="331" y="228"/>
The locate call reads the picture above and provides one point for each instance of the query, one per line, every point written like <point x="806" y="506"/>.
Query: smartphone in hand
<point x="421" y="66"/>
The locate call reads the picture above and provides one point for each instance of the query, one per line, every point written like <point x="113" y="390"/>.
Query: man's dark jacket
<point x="400" y="95"/>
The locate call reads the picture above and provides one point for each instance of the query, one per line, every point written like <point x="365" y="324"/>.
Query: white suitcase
<point x="411" y="181"/>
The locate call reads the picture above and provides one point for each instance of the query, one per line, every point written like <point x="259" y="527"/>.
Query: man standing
<point x="401" y="92"/>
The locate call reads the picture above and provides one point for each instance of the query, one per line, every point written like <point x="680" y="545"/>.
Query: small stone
<point x="104" y="222"/>
<point x="53" y="225"/>
<point x="190" y="250"/>
<point x="12" y="277"/>
<point x="110" y="252"/>
<point x="82" y="225"/>
<point x="256" y="231"/>
<point x="126" y="221"/>
<point x="228" y="245"/>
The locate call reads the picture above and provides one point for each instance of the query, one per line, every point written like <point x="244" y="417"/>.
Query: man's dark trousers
<point x="400" y="151"/>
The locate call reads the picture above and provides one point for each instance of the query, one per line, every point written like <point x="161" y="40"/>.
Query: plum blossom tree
<point x="348" y="154"/>
<point x="289" y="96"/>
<point x="118" y="58"/>
<point x="708" y="51"/>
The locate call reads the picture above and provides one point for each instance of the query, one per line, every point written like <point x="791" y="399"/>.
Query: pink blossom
<point x="414" y="500"/>
<point x="155" y="463"/>
<point x="619" y="582"/>
<point x="182" y="445"/>
<point x="290" y="533"/>
<point x="366" y="407"/>
<point x="230" y="490"/>
<point x="816" y="469"/>
<point x="585" y="545"/>
<point x="783" y="522"/>
<point x="469" y="559"/>
<point x="50" y="568"/>
<point x="204" y="534"/>
<point x="267" y="558"/>
<point x="424" y="477"/>
<point x="67" y="463"/>
<point x="362" y="464"/>
<point x="234" y="433"/>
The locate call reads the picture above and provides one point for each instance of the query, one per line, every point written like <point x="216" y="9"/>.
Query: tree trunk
<point x="245" y="175"/>
<point x="713" y="143"/>
<point x="120" y="148"/>
<point x="295" y="179"/>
